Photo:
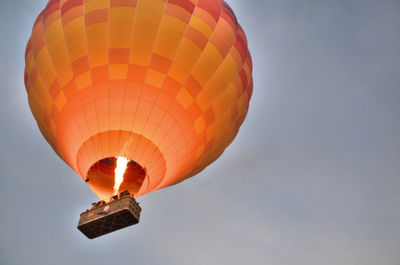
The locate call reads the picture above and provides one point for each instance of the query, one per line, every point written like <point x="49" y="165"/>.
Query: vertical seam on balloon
<point x="147" y="70"/>
<point x="131" y="38"/>
<point x="159" y="90"/>
<point x="91" y="88"/>
<point x="195" y="63"/>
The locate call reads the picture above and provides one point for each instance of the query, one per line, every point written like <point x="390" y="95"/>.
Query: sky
<point x="312" y="178"/>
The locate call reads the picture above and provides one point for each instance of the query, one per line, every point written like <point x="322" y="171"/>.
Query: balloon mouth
<point x="101" y="176"/>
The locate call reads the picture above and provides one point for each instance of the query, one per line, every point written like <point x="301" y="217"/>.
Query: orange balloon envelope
<point x="164" y="83"/>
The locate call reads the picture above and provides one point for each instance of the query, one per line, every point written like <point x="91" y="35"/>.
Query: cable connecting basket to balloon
<point x="105" y="217"/>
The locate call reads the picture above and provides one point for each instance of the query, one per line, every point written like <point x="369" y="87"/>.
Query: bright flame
<point x="122" y="164"/>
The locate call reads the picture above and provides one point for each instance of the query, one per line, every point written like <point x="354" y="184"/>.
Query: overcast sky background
<point x="312" y="178"/>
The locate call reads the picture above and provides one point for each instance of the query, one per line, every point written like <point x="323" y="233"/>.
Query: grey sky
<point x="312" y="178"/>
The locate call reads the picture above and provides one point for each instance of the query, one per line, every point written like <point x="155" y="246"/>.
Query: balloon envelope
<point x="166" y="84"/>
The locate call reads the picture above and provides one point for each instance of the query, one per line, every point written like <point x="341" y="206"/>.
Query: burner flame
<point x="122" y="164"/>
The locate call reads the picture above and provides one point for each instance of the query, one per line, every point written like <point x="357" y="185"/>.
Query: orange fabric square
<point x="119" y="56"/>
<point x="100" y="74"/>
<point x="100" y="90"/>
<point x="194" y="111"/>
<point x="209" y="116"/>
<point x="160" y="63"/>
<point x="136" y="73"/>
<point x="54" y="89"/>
<point x="193" y="86"/>
<point x="172" y="86"/>
<point x="116" y="87"/>
<point x="150" y="93"/>
<point x="133" y="89"/>
<point x="70" y="89"/>
<point x="164" y="100"/>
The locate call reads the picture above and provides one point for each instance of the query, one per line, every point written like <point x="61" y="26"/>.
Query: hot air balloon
<point x="164" y="84"/>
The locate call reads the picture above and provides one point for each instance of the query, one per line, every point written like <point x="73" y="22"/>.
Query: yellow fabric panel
<point x="45" y="67"/>
<point x="170" y="36"/>
<point x="185" y="58"/>
<point x="75" y="39"/>
<point x="148" y="16"/>
<point x="231" y="93"/>
<point x="97" y="44"/>
<point x="225" y="73"/>
<point x="58" y="52"/>
<point x="230" y="65"/>
<point x="121" y="25"/>
<point x="207" y="64"/>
